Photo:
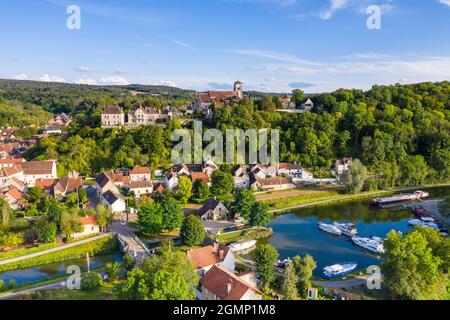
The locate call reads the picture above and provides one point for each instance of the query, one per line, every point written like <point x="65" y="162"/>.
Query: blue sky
<point x="270" y="45"/>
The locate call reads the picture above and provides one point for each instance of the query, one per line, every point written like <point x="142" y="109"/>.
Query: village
<point x="214" y="262"/>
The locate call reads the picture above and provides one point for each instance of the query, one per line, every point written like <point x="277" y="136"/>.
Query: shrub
<point x="12" y="284"/>
<point x="91" y="281"/>
<point x="112" y="270"/>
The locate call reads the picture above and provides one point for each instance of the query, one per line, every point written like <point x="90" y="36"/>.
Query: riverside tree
<point x="304" y="270"/>
<point x="355" y="177"/>
<point x="265" y="257"/>
<point x="259" y="215"/>
<point x="410" y="269"/>
<point x="289" y="287"/>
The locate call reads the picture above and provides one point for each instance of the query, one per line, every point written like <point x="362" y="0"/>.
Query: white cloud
<point x="271" y="55"/>
<point x="335" y="5"/>
<point x="49" y="78"/>
<point x="165" y="83"/>
<point x="115" y="80"/>
<point x="446" y="2"/>
<point x="91" y="82"/>
<point x="184" y="44"/>
<point x="82" y="69"/>
<point x="22" y="76"/>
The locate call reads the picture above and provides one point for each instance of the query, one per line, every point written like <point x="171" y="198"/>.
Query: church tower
<point x="238" y="89"/>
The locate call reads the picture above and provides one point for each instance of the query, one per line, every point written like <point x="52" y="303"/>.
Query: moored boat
<point x="348" y="229"/>
<point x="242" y="245"/>
<point x="339" y="270"/>
<point x="369" y="244"/>
<point x="416" y="222"/>
<point x="330" y="228"/>
<point x="380" y="202"/>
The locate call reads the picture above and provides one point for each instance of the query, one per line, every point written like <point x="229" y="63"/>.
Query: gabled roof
<point x="103" y="179"/>
<point x="140" y="184"/>
<point x="113" y="110"/>
<point x="289" y="166"/>
<point x="210" y="205"/>
<point x="111" y="197"/>
<point x="207" y="256"/>
<point x="10" y="171"/>
<point x="46" y="184"/>
<point x="226" y="285"/>
<point x="274" y="181"/>
<point x="88" y="220"/>
<point x="200" y="176"/>
<point x="14" y="193"/>
<point x="140" y="170"/>
<point x="68" y="184"/>
<point x="38" y="167"/>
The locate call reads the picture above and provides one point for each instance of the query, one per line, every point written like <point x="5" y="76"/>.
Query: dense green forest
<point x="74" y="99"/>
<point x="401" y="133"/>
<point x="18" y="114"/>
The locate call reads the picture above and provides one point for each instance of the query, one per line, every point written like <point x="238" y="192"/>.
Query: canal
<point x="297" y="233"/>
<point x="55" y="270"/>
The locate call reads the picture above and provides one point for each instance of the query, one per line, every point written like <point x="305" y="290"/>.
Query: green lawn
<point x="245" y="234"/>
<point x="103" y="293"/>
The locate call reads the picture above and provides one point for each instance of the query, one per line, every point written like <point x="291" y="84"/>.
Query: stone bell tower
<point x="238" y="89"/>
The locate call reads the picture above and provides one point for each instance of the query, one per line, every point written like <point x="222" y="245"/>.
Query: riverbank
<point x="103" y="245"/>
<point x="299" y="202"/>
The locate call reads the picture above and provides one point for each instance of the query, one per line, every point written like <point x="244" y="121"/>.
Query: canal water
<point x="54" y="270"/>
<point x="297" y="233"/>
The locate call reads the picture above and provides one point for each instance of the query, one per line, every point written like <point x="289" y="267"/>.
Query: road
<point x="349" y="283"/>
<point x="17" y="294"/>
<point x="59" y="248"/>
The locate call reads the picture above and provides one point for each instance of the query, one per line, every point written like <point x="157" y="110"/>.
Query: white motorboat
<point x="369" y="244"/>
<point x="330" y="228"/>
<point x="416" y="222"/>
<point x="348" y="229"/>
<point x="242" y="245"/>
<point x="339" y="270"/>
<point x="427" y="219"/>
<point x="431" y="225"/>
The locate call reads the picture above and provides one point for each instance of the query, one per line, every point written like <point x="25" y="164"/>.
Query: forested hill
<point x="73" y="98"/>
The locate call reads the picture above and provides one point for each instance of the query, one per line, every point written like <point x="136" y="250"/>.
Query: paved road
<point x="354" y="282"/>
<point x="17" y="294"/>
<point x="59" y="248"/>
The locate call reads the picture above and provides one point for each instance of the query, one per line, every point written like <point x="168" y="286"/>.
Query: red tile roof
<point x="140" y="170"/>
<point x="200" y="176"/>
<point x="207" y="256"/>
<point x="88" y="220"/>
<point x="226" y="285"/>
<point x="37" y="167"/>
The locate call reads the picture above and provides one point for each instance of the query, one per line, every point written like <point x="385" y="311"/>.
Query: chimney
<point x="229" y="287"/>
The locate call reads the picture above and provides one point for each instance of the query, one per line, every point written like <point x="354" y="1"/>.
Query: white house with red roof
<point x="206" y="257"/>
<point x="89" y="225"/>
<point x="140" y="174"/>
<point x="221" y="284"/>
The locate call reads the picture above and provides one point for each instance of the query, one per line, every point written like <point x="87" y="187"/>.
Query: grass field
<point x="278" y="201"/>
<point x="103" y="293"/>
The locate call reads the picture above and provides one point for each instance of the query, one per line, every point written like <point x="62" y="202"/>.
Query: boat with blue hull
<point x="339" y="270"/>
